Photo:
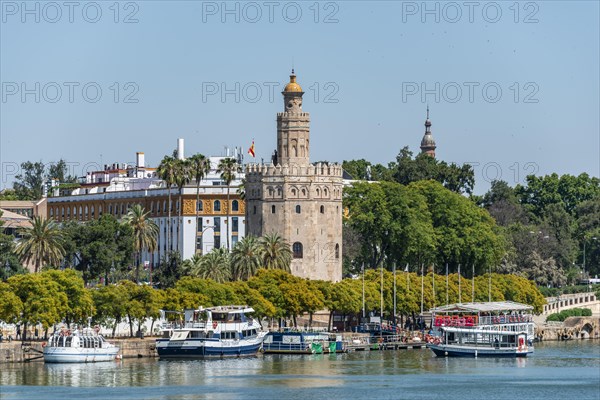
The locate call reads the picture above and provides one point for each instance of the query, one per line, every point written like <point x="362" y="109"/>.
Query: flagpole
<point x="363" y="289"/>
<point x="422" y="288"/>
<point x="459" y="293"/>
<point x="446" y="283"/>
<point x="394" y="266"/>
<point x="407" y="279"/>
<point x="473" y="286"/>
<point x="433" y="283"/>
<point x="490" y="284"/>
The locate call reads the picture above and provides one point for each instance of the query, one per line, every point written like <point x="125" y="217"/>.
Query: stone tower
<point x="428" y="143"/>
<point x="298" y="200"/>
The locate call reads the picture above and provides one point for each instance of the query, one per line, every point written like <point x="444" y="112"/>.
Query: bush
<point x="573" y="312"/>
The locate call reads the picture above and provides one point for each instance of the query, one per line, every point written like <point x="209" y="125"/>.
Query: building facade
<point x="118" y="187"/>
<point x="298" y="200"/>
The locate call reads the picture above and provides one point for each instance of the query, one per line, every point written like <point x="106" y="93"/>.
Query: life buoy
<point x="214" y="324"/>
<point x="43" y="344"/>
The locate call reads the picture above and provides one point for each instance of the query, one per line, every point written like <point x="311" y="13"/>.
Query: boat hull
<point x="441" y="350"/>
<point x="199" y="349"/>
<point x="79" y="355"/>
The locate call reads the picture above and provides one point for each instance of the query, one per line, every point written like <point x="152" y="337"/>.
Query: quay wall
<point x="571" y="328"/>
<point x="18" y="351"/>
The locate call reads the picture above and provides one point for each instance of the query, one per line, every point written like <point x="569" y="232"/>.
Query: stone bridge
<point x="568" y="301"/>
<point x="571" y="328"/>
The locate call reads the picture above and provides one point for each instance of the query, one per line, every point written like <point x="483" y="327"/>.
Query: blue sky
<point x="363" y="66"/>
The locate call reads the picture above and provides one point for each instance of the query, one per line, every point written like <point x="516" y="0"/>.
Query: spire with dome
<point x="428" y="143"/>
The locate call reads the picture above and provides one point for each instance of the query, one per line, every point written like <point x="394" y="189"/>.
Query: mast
<point x="363" y="289"/>
<point x="459" y="291"/>
<point x="422" y="288"/>
<point x="473" y="285"/>
<point x="446" y="283"/>
<point x="394" y="267"/>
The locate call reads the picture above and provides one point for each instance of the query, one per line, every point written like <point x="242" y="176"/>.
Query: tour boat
<point x="224" y="331"/>
<point x="290" y="341"/>
<point x="491" y="329"/>
<point x="86" y="345"/>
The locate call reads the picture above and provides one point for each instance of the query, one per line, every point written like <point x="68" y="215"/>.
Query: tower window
<point x="322" y="209"/>
<point x="337" y="251"/>
<point x="199" y="206"/>
<point x="298" y="209"/>
<point x="297" y="250"/>
<point x="272" y="209"/>
<point x="235" y="205"/>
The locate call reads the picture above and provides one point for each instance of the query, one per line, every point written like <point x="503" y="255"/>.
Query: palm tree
<point x="145" y="233"/>
<point x="182" y="178"/>
<point x="199" y="167"/>
<point x="245" y="258"/>
<point x="214" y="265"/>
<point x="41" y="244"/>
<point x="166" y="172"/>
<point x="228" y="167"/>
<point x="275" y="252"/>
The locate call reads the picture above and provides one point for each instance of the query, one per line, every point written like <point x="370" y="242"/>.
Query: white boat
<point x="491" y="329"/>
<point x="86" y="345"/>
<point x="224" y="331"/>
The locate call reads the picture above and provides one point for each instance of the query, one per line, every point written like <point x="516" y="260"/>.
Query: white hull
<point x="79" y="355"/>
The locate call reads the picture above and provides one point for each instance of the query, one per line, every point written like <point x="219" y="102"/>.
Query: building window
<point x="217" y="242"/>
<point x="297" y="250"/>
<point x="110" y="208"/>
<point x="199" y="206"/>
<point x="217" y="205"/>
<point x="337" y="251"/>
<point x="234" y="224"/>
<point x="273" y="209"/>
<point x="254" y="210"/>
<point x="99" y="211"/>
<point x="93" y="212"/>
<point x="51" y="212"/>
<point x="298" y="209"/>
<point x="62" y="212"/>
<point x="217" y="225"/>
<point x="234" y="240"/>
<point x="235" y="205"/>
<point x="69" y="212"/>
<point x="322" y="209"/>
<point x="151" y="207"/>
<point x="199" y="244"/>
<point x="200" y="224"/>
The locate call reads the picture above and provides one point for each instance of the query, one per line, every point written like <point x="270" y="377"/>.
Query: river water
<point x="557" y="370"/>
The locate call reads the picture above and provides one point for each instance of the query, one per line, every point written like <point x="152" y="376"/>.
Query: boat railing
<point x="505" y="319"/>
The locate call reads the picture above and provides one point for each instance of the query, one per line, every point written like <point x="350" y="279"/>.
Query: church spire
<point x="428" y="143"/>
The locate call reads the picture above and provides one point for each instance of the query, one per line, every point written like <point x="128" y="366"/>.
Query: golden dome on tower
<point x="292" y="86"/>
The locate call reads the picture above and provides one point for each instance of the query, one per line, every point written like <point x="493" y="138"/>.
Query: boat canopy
<point x="493" y="306"/>
<point x="471" y="331"/>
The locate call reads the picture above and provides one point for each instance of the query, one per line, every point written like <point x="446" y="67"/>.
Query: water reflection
<point x="571" y="367"/>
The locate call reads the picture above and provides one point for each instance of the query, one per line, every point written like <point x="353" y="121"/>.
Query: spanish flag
<point x="251" y="150"/>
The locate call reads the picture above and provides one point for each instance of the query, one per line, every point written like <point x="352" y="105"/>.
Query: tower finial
<point x="427" y="111"/>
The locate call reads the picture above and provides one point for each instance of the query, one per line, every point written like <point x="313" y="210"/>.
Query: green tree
<point x="170" y="270"/>
<point x="41" y="244"/>
<point x="28" y="184"/>
<point x="141" y="302"/>
<point x="228" y="168"/>
<point x="11" y="305"/>
<point x="245" y="258"/>
<point x="199" y="168"/>
<point x="275" y="252"/>
<point x="145" y="233"/>
<point x="214" y="265"/>
<point x="9" y="262"/>
<point x="110" y="305"/>
<point x="100" y="247"/>
<point x="80" y="304"/>
<point x="167" y="171"/>
<point x="42" y="298"/>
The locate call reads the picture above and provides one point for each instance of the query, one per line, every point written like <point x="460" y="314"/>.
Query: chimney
<point x="139" y="159"/>
<point x="180" y="154"/>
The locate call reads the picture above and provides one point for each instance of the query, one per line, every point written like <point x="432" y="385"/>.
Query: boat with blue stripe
<point x="214" y="332"/>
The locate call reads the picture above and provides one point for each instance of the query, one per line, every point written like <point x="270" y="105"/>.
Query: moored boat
<point x="491" y="329"/>
<point x="224" y="331"/>
<point x="87" y="345"/>
<point x="290" y="341"/>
